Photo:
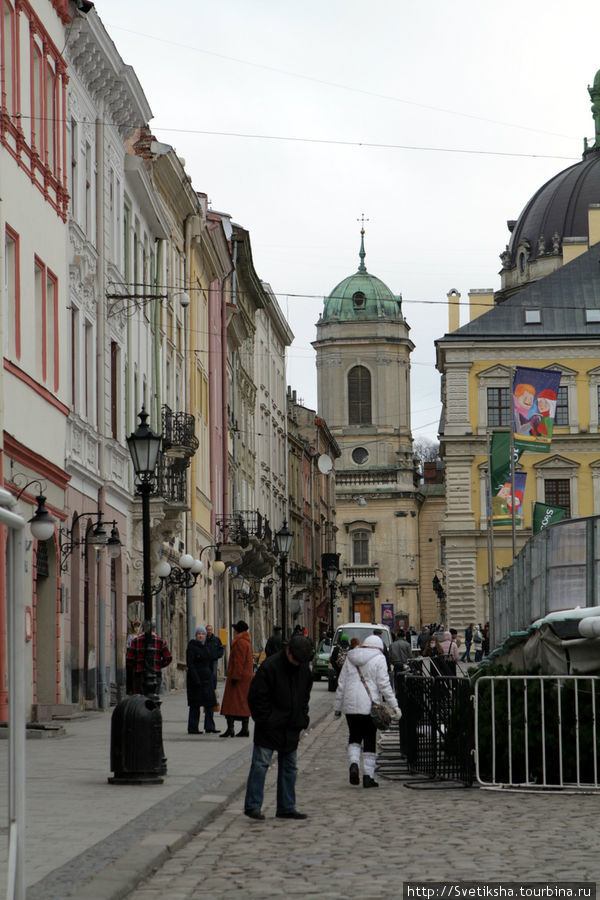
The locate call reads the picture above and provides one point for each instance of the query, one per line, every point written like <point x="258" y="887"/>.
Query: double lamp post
<point x="136" y="747"/>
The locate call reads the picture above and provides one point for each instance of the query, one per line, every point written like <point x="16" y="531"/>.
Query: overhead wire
<point x="339" y="85"/>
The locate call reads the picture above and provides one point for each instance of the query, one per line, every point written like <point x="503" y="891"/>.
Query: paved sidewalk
<point x="88" y="838"/>
<point x="359" y="844"/>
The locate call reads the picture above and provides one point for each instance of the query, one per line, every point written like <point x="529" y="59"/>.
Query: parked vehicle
<point x="360" y="630"/>
<point x="320" y="661"/>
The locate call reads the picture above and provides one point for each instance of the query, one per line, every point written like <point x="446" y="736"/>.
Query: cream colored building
<point x="363" y="377"/>
<point x="546" y="315"/>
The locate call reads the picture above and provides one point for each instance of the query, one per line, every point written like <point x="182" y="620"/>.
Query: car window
<point x="361" y="634"/>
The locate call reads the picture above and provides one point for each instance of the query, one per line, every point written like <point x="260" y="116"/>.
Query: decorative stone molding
<point x="558" y="467"/>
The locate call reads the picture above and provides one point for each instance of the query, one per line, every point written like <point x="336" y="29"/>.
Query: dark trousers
<point x="194" y="719"/>
<point x="361" y="730"/>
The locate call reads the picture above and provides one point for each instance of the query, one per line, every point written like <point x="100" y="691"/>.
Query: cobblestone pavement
<point x="360" y="843"/>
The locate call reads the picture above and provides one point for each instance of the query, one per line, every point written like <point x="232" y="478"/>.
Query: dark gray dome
<point x="559" y="208"/>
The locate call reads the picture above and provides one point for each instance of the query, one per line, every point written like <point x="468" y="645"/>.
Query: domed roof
<point x="558" y="210"/>
<point x="362" y="296"/>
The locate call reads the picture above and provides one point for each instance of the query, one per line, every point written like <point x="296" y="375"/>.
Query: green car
<point x="321" y="660"/>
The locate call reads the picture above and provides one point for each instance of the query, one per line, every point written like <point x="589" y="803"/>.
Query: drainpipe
<point x="236" y="498"/>
<point x="156" y="309"/>
<point x="187" y="367"/>
<point x="101" y="355"/>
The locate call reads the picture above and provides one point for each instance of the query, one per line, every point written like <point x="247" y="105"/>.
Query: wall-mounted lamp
<point x="129" y="301"/>
<point x="217" y="565"/>
<point x="96" y="538"/>
<point x="185" y="575"/>
<point x="41" y="523"/>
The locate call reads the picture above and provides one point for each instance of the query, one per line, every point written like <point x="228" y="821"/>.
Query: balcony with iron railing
<point x="241" y="524"/>
<point x="179" y="434"/>
<point x="171" y="480"/>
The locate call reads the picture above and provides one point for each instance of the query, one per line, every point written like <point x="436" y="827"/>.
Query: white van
<point x="360" y="630"/>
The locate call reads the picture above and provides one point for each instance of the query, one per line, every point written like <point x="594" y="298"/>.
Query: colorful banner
<point x="500" y="459"/>
<point x="387" y="614"/>
<point x="544" y="515"/>
<point x="535" y="392"/>
<point x="502" y="501"/>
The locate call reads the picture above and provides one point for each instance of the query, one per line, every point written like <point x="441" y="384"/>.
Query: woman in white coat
<point x="353" y="700"/>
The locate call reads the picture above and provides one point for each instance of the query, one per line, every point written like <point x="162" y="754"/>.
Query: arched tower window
<point x="359" y="396"/>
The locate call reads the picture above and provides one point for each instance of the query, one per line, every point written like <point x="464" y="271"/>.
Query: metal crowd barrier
<point x="537" y="731"/>
<point x="436" y="728"/>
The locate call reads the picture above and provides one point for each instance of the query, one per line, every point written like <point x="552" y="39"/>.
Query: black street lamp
<point x="137" y="754"/>
<point x="332" y="574"/>
<point x="352" y="587"/>
<point x="283" y="544"/>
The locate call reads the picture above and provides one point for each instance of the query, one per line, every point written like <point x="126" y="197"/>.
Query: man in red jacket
<point x="136" y="653"/>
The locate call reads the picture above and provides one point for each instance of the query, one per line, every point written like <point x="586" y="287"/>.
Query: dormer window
<point x="533" y="316"/>
<point x="592" y="315"/>
<point x="359" y="300"/>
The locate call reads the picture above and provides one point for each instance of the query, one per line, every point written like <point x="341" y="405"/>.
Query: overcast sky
<point x="308" y="86"/>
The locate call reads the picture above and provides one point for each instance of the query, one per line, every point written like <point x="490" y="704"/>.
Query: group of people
<point x="277" y="695"/>
<point x="477" y="637"/>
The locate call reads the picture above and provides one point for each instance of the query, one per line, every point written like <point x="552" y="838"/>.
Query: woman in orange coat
<point x="240" y="670"/>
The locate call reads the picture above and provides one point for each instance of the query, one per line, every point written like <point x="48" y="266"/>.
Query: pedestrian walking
<point x="136" y="655"/>
<point x="199" y="657"/>
<point x="466" y="657"/>
<point x="275" y="642"/>
<point x="354" y="699"/>
<point x="218" y="650"/>
<point x="478" y="641"/>
<point x="339" y="653"/>
<point x="485" y="643"/>
<point x="423" y="638"/>
<point x="240" y="669"/>
<point x="279" y="699"/>
<point x="447" y="657"/>
<point x="400" y="653"/>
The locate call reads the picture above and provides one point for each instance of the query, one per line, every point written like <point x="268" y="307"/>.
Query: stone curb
<point x="119" y="878"/>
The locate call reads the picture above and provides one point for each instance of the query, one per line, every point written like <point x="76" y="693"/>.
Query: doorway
<point x="363" y="606"/>
<point x="46" y="621"/>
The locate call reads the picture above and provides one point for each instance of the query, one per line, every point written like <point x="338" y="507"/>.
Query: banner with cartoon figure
<point x="535" y="392"/>
<point x="502" y="502"/>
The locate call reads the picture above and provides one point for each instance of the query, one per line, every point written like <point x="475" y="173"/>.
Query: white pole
<point x="15" y="635"/>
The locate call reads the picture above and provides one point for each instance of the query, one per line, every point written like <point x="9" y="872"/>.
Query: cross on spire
<point x="362" y="220"/>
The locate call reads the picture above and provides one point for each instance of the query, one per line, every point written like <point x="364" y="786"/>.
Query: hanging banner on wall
<point x="544" y="515"/>
<point x="387" y="614"/>
<point x="500" y="459"/>
<point x="502" y="501"/>
<point x="535" y="392"/>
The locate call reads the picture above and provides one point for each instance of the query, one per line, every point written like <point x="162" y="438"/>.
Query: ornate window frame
<point x="497" y="376"/>
<point x="558" y="466"/>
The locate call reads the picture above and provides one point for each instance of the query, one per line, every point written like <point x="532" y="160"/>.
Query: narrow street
<point x="366" y="844"/>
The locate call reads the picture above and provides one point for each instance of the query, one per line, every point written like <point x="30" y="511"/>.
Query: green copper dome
<point x="362" y="296"/>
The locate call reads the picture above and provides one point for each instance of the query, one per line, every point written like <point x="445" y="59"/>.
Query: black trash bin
<point x="136" y="746"/>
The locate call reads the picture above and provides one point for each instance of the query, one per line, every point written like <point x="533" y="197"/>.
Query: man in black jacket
<point x="275" y="642"/>
<point x="278" y="699"/>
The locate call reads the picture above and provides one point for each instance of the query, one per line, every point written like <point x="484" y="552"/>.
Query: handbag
<point x="381" y="714"/>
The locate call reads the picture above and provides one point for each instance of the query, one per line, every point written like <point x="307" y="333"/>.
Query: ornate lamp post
<point x="283" y="544"/>
<point x="136" y="730"/>
<point x="352" y="587"/>
<point x="332" y="574"/>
